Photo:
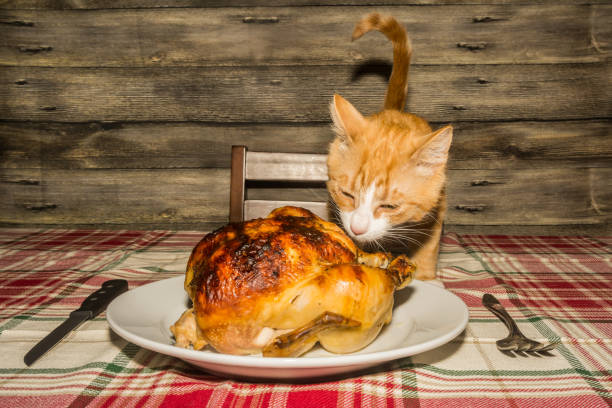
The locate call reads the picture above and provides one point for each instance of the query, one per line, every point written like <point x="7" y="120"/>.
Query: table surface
<point x="557" y="288"/>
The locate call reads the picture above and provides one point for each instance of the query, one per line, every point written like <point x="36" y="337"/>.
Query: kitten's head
<point x="384" y="170"/>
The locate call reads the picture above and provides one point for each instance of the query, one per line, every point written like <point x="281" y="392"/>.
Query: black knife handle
<point x="97" y="301"/>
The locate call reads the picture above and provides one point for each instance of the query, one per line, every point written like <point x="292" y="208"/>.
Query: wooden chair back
<point x="274" y="168"/>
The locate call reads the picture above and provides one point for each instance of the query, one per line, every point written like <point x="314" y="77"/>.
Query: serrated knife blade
<point x="90" y="308"/>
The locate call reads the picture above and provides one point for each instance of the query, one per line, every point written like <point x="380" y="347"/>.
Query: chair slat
<point x="261" y="208"/>
<point x="237" y="188"/>
<point x="272" y="167"/>
<point x="286" y="166"/>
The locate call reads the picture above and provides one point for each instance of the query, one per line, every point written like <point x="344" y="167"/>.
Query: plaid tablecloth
<point x="555" y="287"/>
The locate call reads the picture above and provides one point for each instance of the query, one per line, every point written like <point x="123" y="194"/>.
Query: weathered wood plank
<point x="601" y="36"/>
<point x="525" y="84"/>
<point x="477" y="145"/>
<point x="531" y="145"/>
<point x="476" y="197"/>
<point x="114" y="197"/>
<point x="299" y="94"/>
<point x="530" y="196"/>
<point x="146" y="145"/>
<point x="296" y="36"/>
<point x="593" y="230"/>
<point x="131" y="4"/>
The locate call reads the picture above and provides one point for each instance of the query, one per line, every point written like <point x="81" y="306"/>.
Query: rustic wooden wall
<point x="121" y="113"/>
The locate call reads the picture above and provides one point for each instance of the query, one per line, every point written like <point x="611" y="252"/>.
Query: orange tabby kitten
<point x="387" y="170"/>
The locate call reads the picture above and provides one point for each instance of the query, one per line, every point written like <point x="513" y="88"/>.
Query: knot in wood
<point x="472" y="46"/>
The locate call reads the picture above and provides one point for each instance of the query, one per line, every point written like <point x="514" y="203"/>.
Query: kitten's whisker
<point x="406" y="236"/>
<point x="433" y="217"/>
<point x="406" y="230"/>
<point x="405" y="239"/>
<point x="379" y="245"/>
<point x="429" y="218"/>
<point x="419" y="223"/>
<point x="408" y="244"/>
<point x="402" y="238"/>
<point x="415" y="233"/>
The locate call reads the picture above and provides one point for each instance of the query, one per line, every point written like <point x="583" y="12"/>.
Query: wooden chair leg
<point x="237" y="184"/>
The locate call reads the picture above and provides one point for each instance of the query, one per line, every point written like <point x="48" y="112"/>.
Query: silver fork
<point x="515" y="341"/>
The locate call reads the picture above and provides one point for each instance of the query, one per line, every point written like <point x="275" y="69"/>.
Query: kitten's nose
<point x="359" y="224"/>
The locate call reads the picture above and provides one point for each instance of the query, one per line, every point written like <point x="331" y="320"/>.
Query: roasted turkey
<point x="277" y="285"/>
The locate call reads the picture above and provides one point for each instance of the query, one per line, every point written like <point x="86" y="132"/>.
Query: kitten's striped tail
<point x="402" y="50"/>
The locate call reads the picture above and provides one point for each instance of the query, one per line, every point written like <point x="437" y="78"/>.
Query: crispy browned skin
<point x="254" y="281"/>
<point x="260" y="258"/>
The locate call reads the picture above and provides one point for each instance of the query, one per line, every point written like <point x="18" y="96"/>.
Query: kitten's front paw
<point x="426" y="262"/>
<point x="425" y="267"/>
<point x="425" y="273"/>
<point x="436" y="282"/>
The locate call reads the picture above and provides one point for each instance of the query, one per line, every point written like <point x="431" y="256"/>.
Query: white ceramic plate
<point x="425" y="316"/>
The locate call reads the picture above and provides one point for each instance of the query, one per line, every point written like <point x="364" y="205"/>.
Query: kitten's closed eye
<point x="386" y="210"/>
<point x="345" y="200"/>
<point x="348" y="195"/>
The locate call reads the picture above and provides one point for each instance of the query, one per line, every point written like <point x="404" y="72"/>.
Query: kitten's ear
<point x="348" y="122"/>
<point x="435" y="151"/>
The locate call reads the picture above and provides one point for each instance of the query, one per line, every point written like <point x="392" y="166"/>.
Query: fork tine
<point x="545" y="353"/>
<point x="544" y="347"/>
<point x="535" y="354"/>
<point x="508" y="353"/>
